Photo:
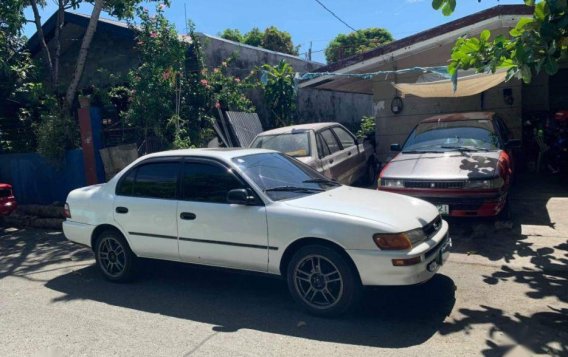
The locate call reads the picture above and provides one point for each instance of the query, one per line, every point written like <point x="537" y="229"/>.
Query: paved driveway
<point x="504" y="290"/>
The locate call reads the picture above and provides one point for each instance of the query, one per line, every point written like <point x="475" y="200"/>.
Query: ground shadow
<point x="24" y="252"/>
<point x="388" y="317"/>
<point x="541" y="333"/>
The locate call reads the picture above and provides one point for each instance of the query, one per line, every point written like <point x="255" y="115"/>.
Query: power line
<point x="334" y="15"/>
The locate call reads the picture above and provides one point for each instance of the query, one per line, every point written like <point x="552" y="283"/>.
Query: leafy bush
<point x="367" y="129"/>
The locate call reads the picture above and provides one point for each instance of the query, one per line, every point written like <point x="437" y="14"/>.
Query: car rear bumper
<point x="78" y="232"/>
<point x="462" y="204"/>
<point x="376" y="267"/>
<point x="7" y="207"/>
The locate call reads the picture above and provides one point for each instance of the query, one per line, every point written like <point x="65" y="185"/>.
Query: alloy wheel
<point x="318" y="282"/>
<point x="112" y="256"/>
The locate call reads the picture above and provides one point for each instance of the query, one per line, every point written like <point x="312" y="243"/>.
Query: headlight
<point x="394" y="183"/>
<point x="493" y="183"/>
<point x="399" y="241"/>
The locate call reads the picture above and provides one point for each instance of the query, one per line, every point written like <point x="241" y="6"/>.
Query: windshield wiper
<point x="421" y="152"/>
<point x="323" y="181"/>
<point x="464" y="148"/>
<point x="294" y="189"/>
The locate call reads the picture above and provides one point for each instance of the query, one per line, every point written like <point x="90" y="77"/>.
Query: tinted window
<point x="330" y="140"/>
<point x="126" y="183"/>
<point x="156" y="180"/>
<point x="207" y="182"/>
<point x="345" y="138"/>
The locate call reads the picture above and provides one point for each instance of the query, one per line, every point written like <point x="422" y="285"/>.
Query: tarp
<point x="469" y="85"/>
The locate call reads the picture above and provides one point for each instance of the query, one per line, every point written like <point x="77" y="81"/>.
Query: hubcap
<point x="112" y="256"/>
<point x="318" y="282"/>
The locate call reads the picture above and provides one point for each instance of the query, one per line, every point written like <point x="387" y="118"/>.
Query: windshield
<point x="470" y="135"/>
<point x="282" y="177"/>
<point x="293" y="144"/>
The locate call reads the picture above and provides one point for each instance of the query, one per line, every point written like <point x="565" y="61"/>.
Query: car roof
<point x="460" y="117"/>
<point x="215" y="153"/>
<point x="5" y="185"/>
<point x="300" y="127"/>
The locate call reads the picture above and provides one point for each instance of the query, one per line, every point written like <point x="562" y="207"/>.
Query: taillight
<point x="67" y="211"/>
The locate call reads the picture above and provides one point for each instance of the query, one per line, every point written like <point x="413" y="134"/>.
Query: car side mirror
<point x="513" y="144"/>
<point x="396" y="147"/>
<point x="240" y="196"/>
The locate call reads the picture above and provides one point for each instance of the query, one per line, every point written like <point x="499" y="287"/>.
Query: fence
<point x="36" y="180"/>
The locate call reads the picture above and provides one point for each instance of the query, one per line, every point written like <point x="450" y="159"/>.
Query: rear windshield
<point x="445" y="135"/>
<point x="293" y="144"/>
<point x="5" y="192"/>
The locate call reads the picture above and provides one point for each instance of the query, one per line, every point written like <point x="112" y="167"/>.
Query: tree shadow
<point x="27" y="251"/>
<point x="478" y="166"/>
<point x="387" y="317"/>
<point x="541" y="333"/>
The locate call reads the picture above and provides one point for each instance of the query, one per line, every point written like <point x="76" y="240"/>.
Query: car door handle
<point x="331" y="161"/>
<point x="121" y="210"/>
<point x="349" y="153"/>
<point x="188" y="216"/>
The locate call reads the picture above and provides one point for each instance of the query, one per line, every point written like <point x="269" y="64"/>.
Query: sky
<point x="305" y="20"/>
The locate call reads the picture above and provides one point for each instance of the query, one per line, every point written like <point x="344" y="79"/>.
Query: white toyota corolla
<point x="258" y="210"/>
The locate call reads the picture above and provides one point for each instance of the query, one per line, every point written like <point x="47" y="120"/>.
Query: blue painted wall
<point x="36" y="180"/>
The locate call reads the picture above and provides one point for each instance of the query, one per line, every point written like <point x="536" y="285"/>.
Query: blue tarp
<point x="36" y="180"/>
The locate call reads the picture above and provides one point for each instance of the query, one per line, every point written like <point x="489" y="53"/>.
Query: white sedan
<point x="258" y="210"/>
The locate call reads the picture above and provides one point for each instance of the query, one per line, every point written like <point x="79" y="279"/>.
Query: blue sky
<point x="305" y="19"/>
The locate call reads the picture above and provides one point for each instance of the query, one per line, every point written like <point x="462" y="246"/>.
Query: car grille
<point x="454" y="184"/>
<point x="433" y="227"/>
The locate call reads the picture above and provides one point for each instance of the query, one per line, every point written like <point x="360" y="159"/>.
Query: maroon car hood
<point x="444" y="166"/>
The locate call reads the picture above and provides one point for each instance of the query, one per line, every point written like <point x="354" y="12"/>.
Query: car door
<point x="145" y="207"/>
<point x="331" y="163"/>
<point x="354" y="164"/>
<point x="212" y="231"/>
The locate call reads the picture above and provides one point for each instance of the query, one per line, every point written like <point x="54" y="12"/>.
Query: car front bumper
<point x="78" y="232"/>
<point x="461" y="203"/>
<point x="376" y="267"/>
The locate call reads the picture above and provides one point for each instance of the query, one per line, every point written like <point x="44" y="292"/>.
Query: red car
<point x="7" y="200"/>
<point x="462" y="163"/>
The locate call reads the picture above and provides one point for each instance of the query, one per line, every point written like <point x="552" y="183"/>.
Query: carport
<point x="402" y="99"/>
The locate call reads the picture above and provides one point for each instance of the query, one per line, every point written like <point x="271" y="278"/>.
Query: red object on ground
<point x="88" y="146"/>
<point x="7" y="200"/>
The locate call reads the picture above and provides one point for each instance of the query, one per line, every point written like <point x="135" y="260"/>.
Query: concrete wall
<point x="320" y="106"/>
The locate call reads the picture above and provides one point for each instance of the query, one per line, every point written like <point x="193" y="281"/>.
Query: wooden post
<point x="87" y="145"/>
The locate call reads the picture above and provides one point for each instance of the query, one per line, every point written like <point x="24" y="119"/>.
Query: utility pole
<point x="310" y="52"/>
<point x="185" y="17"/>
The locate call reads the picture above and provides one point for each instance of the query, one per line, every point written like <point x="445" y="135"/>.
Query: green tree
<point x="279" y="92"/>
<point x="254" y="37"/>
<point x="536" y="43"/>
<point x="343" y="46"/>
<point x="279" y="41"/>
<point x="272" y="39"/>
<point x="232" y="35"/>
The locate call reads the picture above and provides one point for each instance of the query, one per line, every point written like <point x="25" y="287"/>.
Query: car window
<point x="5" y="192"/>
<point x="330" y="140"/>
<point x="126" y="183"/>
<point x="156" y="180"/>
<point x="205" y="182"/>
<point x="295" y="144"/>
<point x="503" y="130"/>
<point x="322" y="146"/>
<point x="345" y="138"/>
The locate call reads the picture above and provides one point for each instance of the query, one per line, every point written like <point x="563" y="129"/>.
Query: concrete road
<point x="503" y="292"/>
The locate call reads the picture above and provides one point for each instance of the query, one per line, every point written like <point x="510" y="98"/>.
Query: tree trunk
<point x="45" y="49"/>
<point x="59" y="26"/>
<point x="72" y="89"/>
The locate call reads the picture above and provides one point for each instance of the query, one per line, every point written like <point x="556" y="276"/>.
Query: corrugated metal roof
<point x="245" y="126"/>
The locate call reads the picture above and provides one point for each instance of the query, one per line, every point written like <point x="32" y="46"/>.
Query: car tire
<point x="322" y="281"/>
<point x="115" y="259"/>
